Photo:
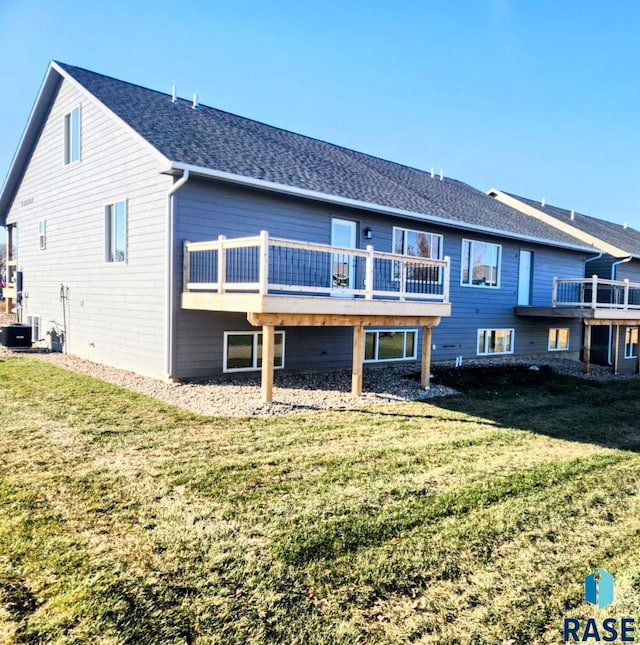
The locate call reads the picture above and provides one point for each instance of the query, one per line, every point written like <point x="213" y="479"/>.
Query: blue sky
<point x="537" y="97"/>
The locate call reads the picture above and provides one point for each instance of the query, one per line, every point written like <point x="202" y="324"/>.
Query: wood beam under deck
<point x="269" y="322"/>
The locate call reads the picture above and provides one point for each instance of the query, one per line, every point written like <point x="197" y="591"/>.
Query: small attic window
<point x="72" y="130"/>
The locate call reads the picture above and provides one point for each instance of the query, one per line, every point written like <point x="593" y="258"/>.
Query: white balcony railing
<point x="267" y="265"/>
<point x="596" y="293"/>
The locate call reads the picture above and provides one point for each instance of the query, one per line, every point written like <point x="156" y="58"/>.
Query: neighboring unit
<point x="181" y="241"/>
<point x="607" y="299"/>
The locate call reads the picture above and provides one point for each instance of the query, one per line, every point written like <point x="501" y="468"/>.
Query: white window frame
<point x="110" y="232"/>
<point x="469" y="282"/>
<point x="35" y="322"/>
<point x="485" y="351"/>
<point x="72" y="136"/>
<point x="255" y="335"/>
<point x="553" y="346"/>
<point x="376" y="345"/>
<point x="628" y="342"/>
<point x="42" y="234"/>
<point x="394" y="268"/>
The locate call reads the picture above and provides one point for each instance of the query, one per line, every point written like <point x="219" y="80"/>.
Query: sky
<point x="535" y="97"/>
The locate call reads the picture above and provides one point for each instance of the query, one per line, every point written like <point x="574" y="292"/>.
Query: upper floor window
<point x="42" y="234"/>
<point x="116" y="232"/>
<point x="480" y="264"/>
<point x="417" y="244"/>
<point x="72" y="133"/>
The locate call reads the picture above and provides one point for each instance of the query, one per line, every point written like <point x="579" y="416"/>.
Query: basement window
<point x="35" y="322"/>
<point x="631" y="342"/>
<point x="390" y="345"/>
<point x="558" y="339"/>
<point x="495" y="341"/>
<point x="72" y="128"/>
<point x="243" y="351"/>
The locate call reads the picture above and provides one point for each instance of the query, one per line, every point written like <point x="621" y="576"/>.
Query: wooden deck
<point x="288" y="283"/>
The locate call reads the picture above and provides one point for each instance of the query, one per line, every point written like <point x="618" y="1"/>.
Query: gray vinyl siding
<point x="205" y="210"/>
<point x="115" y="313"/>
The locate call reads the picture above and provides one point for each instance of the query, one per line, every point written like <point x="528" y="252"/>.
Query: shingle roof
<point x="625" y="238"/>
<point x="217" y="140"/>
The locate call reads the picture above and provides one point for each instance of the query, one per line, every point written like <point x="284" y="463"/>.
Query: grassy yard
<point x="470" y="519"/>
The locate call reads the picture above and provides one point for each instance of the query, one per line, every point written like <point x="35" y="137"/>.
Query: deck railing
<point x="596" y="293"/>
<point x="268" y="265"/>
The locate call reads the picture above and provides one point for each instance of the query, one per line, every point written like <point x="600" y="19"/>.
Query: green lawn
<point x="468" y="519"/>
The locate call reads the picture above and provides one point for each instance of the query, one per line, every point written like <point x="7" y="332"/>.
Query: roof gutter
<point x="169" y="286"/>
<point x="359" y="204"/>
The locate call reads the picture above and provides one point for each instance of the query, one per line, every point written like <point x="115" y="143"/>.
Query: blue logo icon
<point x="599" y="591"/>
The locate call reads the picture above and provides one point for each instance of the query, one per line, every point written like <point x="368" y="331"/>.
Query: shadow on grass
<point x="605" y="413"/>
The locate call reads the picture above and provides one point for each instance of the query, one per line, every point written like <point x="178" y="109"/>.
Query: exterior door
<point x="343" y="233"/>
<point x="525" y="277"/>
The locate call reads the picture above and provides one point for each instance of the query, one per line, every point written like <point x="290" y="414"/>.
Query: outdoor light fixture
<point x="368" y="233"/>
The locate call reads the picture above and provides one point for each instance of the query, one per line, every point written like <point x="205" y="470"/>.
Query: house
<point x="180" y="241"/>
<point x="607" y="300"/>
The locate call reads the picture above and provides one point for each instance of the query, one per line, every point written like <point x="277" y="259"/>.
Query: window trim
<point x="254" y="367"/>
<point x="42" y="234"/>
<point x="498" y="267"/>
<point x="394" y="276"/>
<point x="68" y="136"/>
<point x="403" y="330"/>
<point x="556" y="348"/>
<point x="490" y="329"/>
<point x="627" y="344"/>
<point x="31" y="318"/>
<point x="108" y="232"/>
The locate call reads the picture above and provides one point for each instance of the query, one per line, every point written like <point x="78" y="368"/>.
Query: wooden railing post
<point x="554" y="293"/>
<point x="626" y="293"/>
<point x="446" y="279"/>
<point x="186" y="266"/>
<point x="264" y="263"/>
<point x="403" y="280"/>
<point x="594" y="291"/>
<point x="368" y="280"/>
<point x="222" y="263"/>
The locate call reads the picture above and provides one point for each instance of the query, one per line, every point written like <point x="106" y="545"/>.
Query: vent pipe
<point x="542" y="202"/>
<point x="195" y="105"/>
<point x="441" y="174"/>
<point x="624" y="225"/>
<point x="432" y="173"/>
<point x="573" y="215"/>
<point x="174" y="97"/>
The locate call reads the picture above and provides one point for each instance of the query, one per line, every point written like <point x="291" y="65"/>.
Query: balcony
<point x="279" y="282"/>
<point x="264" y="275"/>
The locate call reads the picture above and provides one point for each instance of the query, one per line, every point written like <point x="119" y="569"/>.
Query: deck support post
<point x="616" y="350"/>
<point x="586" y="358"/>
<point x="358" y="357"/>
<point x="268" y="346"/>
<point x="425" y="368"/>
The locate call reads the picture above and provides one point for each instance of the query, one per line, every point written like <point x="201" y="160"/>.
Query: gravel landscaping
<point x="292" y="392"/>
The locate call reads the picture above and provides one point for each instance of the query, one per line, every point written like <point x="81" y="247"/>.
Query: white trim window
<point x="558" y="339"/>
<point x="243" y="351"/>
<point x="419" y="244"/>
<point x="116" y="232"/>
<point x="72" y="136"/>
<point x="631" y="342"/>
<point x="495" y="341"/>
<point x="35" y="322"/>
<point x="480" y="264"/>
<point x="42" y="234"/>
<point x="382" y="345"/>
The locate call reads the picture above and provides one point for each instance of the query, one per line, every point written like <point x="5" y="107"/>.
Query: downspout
<point x="169" y="290"/>
<point x="613" y="277"/>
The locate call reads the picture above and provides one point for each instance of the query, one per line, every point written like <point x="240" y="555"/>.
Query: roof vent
<point x="432" y="173"/>
<point x="624" y="225"/>
<point x="542" y="202"/>
<point x="441" y="174"/>
<point x="195" y="105"/>
<point x="174" y="97"/>
<point x="573" y="215"/>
